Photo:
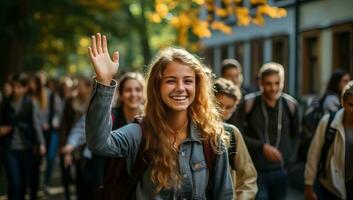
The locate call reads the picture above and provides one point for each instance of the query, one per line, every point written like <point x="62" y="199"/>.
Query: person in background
<point x="49" y="116"/>
<point x="336" y="177"/>
<point x="232" y="70"/>
<point x="75" y="107"/>
<point x="331" y="101"/>
<point x="19" y="136"/>
<point x="243" y="170"/>
<point x="131" y="97"/>
<point x="269" y="121"/>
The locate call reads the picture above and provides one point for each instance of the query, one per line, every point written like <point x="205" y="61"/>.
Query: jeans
<point x="18" y="166"/>
<point x="51" y="155"/>
<point x="272" y="185"/>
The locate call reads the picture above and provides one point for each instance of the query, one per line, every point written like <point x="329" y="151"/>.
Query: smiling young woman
<point x="180" y="112"/>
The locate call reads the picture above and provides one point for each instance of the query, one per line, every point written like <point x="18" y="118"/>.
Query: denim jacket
<point x="125" y="142"/>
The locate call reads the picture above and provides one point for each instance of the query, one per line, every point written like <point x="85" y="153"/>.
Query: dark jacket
<point x="251" y="122"/>
<point x="24" y="120"/>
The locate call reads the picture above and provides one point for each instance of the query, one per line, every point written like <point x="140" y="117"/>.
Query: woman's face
<point x="178" y="86"/>
<point x="132" y="94"/>
<point x="344" y="80"/>
<point x="32" y="85"/>
<point x="228" y="105"/>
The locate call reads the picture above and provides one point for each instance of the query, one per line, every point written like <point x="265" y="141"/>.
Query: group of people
<point x="36" y="118"/>
<point x="196" y="137"/>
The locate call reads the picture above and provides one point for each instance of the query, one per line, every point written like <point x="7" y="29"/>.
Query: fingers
<point x="94" y="46"/>
<point x="104" y="45"/>
<point x="99" y="43"/>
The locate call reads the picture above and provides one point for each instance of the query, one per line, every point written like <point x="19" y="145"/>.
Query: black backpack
<point x="232" y="150"/>
<point x="311" y="118"/>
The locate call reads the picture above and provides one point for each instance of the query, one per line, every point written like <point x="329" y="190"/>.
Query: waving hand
<point x="104" y="66"/>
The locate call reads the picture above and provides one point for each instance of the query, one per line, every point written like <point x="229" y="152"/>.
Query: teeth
<point x="179" y="98"/>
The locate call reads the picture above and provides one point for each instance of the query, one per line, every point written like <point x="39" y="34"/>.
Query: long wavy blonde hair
<point x="203" y="112"/>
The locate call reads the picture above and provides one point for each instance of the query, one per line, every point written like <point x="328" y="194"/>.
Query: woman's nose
<point x="180" y="86"/>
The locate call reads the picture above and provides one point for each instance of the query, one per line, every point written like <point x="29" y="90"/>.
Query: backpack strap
<point x="141" y="161"/>
<point x="210" y="157"/>
<point x="329" y="137"/>
<point x="290" y="103"/>
<point x="250" y="102"/>
<point x="232" y="150"/>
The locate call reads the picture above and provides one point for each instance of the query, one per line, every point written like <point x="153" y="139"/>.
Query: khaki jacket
<point x="245" y="175"/>
<point x="335" y="163"/>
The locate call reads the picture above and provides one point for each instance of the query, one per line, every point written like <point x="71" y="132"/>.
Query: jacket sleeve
<point x="123" y="142"/>
<point x="246" y="175"/>
<point x="314" y="152"/>
<point x="222" y="187"/>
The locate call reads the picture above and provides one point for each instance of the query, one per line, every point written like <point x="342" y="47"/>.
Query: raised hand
<point x="104" y="66"/>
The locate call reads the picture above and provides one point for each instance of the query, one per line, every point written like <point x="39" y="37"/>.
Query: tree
<point x="54" y="35"/>
<point x="200" y="17"/>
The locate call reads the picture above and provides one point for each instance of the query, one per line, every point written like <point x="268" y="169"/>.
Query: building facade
<point x="314" y="39"/>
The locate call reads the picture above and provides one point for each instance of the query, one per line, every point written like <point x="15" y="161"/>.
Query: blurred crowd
<point x="42" y="120"/>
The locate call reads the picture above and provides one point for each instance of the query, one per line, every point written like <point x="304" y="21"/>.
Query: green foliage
<point x="54" y="35"/>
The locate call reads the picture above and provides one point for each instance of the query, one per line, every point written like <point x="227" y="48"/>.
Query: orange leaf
<point x="216" y="25"/>
<point x="201" y="29"/>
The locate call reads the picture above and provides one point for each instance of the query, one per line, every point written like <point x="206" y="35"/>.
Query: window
<point x="257" y="58"/>
<point x="310" y="63"/>
<point x="239" y="52"/>
<point x="224" y="52"/>
<point x="342" y="48"/>
<point x="207" y="54"/>
<point x="280" y="54"/>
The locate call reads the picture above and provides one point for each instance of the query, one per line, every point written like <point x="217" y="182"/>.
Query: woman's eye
<point x="189" y="81"/>
<point x="170" y="81"/>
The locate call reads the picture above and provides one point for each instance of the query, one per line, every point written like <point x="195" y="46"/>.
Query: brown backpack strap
<point x="141" y="162"/>
<point x="210" y="157"/>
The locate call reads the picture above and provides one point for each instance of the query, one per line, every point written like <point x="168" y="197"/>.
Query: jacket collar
<point x="194" y="134"/>
<point x="337" y="122"/>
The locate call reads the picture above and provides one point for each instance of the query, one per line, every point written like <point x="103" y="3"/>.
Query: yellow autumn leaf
<point x="282" y="12"/>
<point x="216" y="25"/>
<point x="199" y="2"/>
<point x="241" y="11"/>
<point x="162" y="10"/>
<point x="242" y="15"/>
<point x="259" y="20"/>
<point x="154" y="17"/>
<point x="243" y="20"/>
<point x="273" y="12"/>
<point x="221" y="12"/>
<point x="184" y="20"/>
<point x="175" y="22"/>
<point x="201" y="29"/>
<point x="183" y="37"/>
